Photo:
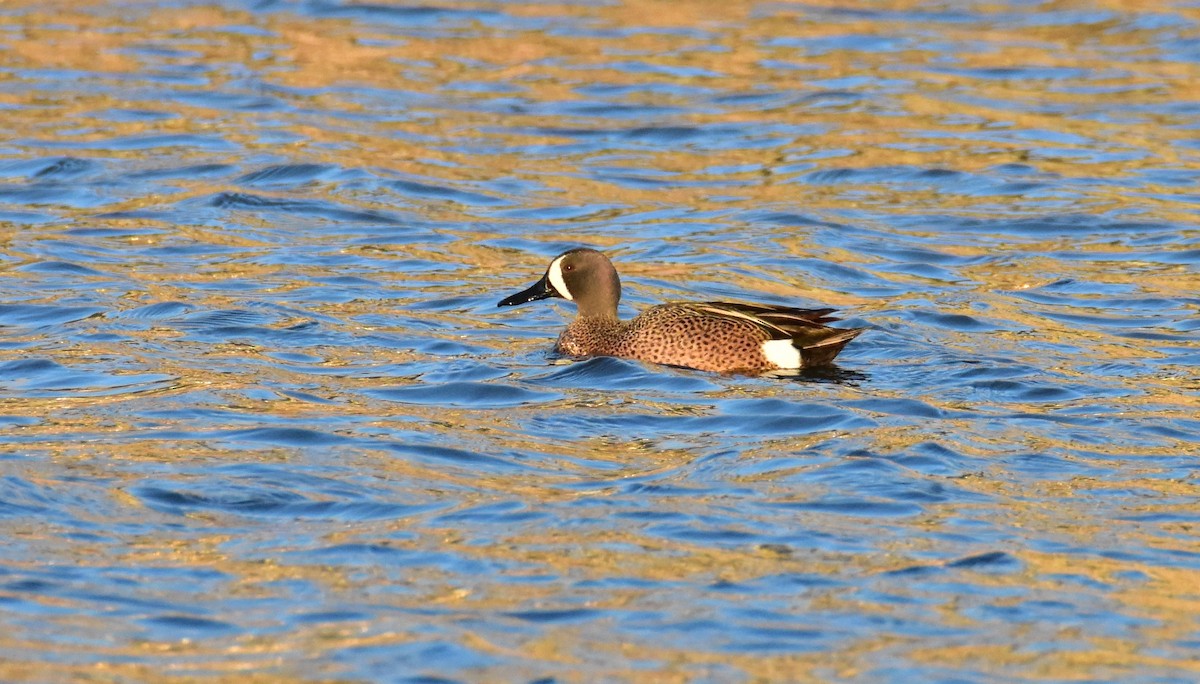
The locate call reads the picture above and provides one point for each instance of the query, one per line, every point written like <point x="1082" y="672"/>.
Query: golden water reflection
<point x="298" y="466"/>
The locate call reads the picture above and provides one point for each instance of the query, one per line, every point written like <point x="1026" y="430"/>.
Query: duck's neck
<point x="598" y="312"/>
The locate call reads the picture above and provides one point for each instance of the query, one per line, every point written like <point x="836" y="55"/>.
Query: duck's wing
<point x="782" y="321"/>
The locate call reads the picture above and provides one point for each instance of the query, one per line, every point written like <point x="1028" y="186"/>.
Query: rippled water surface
<point x="262" y="420"/>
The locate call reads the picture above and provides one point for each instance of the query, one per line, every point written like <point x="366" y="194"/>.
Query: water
<point x="262" y="420"/>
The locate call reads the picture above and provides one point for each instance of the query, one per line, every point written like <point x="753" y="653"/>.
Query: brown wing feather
<point x="782" y="321"/>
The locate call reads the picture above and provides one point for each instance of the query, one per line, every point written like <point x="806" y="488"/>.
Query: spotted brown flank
<point x="712" y="336"/>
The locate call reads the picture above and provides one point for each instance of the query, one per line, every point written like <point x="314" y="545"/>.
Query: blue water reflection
<point x="260" y="413"/>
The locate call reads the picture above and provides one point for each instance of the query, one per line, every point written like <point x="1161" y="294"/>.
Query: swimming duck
<point x="724" y="337"/>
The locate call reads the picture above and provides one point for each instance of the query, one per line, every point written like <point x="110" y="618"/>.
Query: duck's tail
<point x="819" y="346"/>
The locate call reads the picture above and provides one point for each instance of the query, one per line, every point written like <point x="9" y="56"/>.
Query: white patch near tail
<point x="556" y="279"/>
<point x="782" y="353"/>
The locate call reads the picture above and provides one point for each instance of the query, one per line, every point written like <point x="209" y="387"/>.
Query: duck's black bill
<point x="539" y="290"/>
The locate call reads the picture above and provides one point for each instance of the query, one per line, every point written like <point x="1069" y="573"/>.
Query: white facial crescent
<point x="556" y="278"/>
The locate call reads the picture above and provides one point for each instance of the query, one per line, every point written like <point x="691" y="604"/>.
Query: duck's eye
<point x="568" y="267"/>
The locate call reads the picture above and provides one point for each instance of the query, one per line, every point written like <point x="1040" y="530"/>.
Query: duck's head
<point x="583" y="276"/>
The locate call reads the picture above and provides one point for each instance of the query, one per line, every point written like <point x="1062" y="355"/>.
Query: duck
<point x="723" y="337"/>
